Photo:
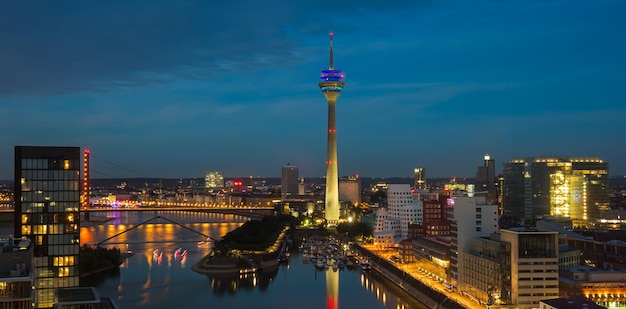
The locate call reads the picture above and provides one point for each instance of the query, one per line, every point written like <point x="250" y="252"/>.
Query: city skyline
<point x="173" y="90"/>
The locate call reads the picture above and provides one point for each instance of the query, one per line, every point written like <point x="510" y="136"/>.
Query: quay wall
<point x="421" y="291"/>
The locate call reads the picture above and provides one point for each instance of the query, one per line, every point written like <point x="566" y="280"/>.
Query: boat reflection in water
<point x="231" y="283"/>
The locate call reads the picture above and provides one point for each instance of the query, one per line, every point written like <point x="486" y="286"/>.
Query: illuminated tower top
<point x="331" y="82"/>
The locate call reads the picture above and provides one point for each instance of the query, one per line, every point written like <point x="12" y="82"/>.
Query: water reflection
<point x="387" y="294"/>
<point x="332" y="289"/>
<point x="222" y="284"/>
<point x="143" y="282"/>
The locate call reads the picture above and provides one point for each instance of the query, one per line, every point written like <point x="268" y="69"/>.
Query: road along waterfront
<point x="164" y="281"/>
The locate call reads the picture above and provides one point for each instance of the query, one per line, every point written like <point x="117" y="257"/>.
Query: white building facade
<point x="401" y="211"/>
<point x="470" y="217"/>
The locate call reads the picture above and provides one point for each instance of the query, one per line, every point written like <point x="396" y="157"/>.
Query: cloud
<point x="69" y="46"/>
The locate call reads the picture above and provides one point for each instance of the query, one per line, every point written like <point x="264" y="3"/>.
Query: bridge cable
<point x="142" y="223"/>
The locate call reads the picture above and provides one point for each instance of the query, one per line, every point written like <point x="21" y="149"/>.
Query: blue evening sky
<point x="177" y="88"/>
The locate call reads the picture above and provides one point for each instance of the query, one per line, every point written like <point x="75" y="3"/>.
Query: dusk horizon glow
<point x="165" y="89"/>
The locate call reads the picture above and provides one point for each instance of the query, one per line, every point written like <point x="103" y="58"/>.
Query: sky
<point x="173" y="89"/>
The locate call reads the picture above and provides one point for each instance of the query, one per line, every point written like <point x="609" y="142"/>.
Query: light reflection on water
<point x="145" y="281"/>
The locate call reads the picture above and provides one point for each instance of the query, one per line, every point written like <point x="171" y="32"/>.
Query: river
<point x="145" y="281"/>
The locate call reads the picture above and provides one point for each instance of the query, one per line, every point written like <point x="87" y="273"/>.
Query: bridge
<point x="106" y="241"/>
<point x="250" y="211"/>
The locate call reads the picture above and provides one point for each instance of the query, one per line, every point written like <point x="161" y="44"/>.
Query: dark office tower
<point x="47" y="201"/>
<point x="289" y="182"/>
<point x="331" y="83"/>
<point x="572" y="187"/>
<point x="420" y="178"/>
<point x="486" y="182"/>
<point x="350" y="189"/>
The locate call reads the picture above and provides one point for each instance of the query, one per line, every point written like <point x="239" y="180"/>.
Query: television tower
<point x="331" y="85"/>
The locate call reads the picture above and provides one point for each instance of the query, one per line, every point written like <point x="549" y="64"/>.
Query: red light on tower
<point x="85" y="196"/>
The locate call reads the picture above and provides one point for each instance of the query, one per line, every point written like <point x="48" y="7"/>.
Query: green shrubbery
<point x="95" y="259"/>
<point x="354" y="230"/>
<point x="255" y="235"/>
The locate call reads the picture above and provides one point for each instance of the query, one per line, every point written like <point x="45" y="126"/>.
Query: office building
<point x="470" y="217"/>
<point x="47" y="202"/>
<point x="392" y="223"/>
<point x="601" y="286"/>
<point x="214" y="180"/>
<point x="518" y="267"/>
<point x="486" y="181"/>
<point x="573" y="187"/>
<point x="420" y="178"/>
<point x="568" y="303"/>
<point x="16" y="273"/>
<point x="331" y="85"/>
<point x="289" y="182"/>
<point x="435" y="217"/>
<point x="350" y="189"/>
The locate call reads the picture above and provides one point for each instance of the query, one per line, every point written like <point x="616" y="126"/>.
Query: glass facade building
<point x="47" y="201"/>
<point x="577" y="188"/>
<point x="214" y="180"/>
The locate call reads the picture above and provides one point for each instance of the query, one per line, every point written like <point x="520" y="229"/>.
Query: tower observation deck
<point x="331" y="83"/>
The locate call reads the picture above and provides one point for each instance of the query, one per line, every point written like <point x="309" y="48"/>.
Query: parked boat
<point x="320" y="264"/>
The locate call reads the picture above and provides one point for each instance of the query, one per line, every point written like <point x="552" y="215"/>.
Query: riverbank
<point x="421" y="291"/>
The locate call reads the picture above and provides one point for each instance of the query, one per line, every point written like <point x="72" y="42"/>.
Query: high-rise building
<point x="470" y="217"/>
<point x="486" y="182"/>
<point x="289" y="182"/>
<point x="420" y="178"/>
<point x="331" y="85"/>
<point x="350" y="189"/>
<point x="573" y="187"/>
<point x="214" y="180"/>
<point x="47" y="202"/>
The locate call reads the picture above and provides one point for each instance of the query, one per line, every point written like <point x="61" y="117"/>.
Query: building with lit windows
<point x="606" y="287"/>
<point x="47" y="202"/>
<point x="518" y="266"/>
<point x="435" y="217"/>
<point x="350" y="189"/>
<point x="214" y="180"/>
<point x="401" y="211"/>
<point x="574" y="187"/>
<point x="486" y="181"/>
<point x="420" y="178"/>
<point x="16" y="273"/>
<point x="289" y="182"/>
<point x="469" y="217"/>
<point x="568" y="303"/>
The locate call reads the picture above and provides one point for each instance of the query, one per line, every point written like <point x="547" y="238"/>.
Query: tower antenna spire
<point x="332" y="65"/>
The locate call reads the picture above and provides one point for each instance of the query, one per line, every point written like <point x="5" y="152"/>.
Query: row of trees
<point x="255" y="235"/>
<point x="98" y="258"/>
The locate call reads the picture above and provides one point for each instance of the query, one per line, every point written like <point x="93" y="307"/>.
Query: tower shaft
<point x="332" y="174"/>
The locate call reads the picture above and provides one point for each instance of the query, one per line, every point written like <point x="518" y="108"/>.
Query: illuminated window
<point x="64" y="271"/>
<point x="66" y="164"/>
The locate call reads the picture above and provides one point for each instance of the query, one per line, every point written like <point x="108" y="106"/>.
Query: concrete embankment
<point x="419" y="290"/>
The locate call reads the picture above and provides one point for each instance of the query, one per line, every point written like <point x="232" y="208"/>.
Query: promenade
<point x="416" y="279"/>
